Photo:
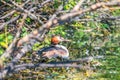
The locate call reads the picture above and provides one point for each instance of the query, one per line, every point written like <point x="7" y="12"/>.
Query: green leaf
<point x="28" y="20"/>
<point x="62" y="76"/>
<point x="1" y="51"/>
<point x="10" y="37"/>
<point x="2" y="37"/>
<point x="3" y="44"/>
<point x="105" y="25"/>
<point x="18" y="1"/>
<point x="15" y="14"/>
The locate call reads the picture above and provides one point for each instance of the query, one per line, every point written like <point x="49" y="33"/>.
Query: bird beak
<point x="65" y="40"/>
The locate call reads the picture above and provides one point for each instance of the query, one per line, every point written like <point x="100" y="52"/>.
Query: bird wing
<point x="45" y="49"/>
<point x="53" y="51"/>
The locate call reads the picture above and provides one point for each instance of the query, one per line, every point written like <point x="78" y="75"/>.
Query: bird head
<point x="57" y="39"/>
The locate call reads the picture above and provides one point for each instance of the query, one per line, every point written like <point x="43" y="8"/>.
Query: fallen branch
<point x="77" y="7"/>
<point x="26" y="11"/>
<point x="45" y="65"/>
<point x="10" y="13"/>
<point x="12" y="45"/>
<point x="69" y="63"/>
<point x="8" y="22"/>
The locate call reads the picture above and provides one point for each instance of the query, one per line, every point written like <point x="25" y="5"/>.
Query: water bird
<point x="55" y="49"/>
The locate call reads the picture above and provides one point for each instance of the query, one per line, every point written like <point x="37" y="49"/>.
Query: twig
<point x="98" y="19"/>
<point x="26" y="11"/>
<point x="76" y="8"/>
<point x="10" y="13"/>
<point x="12" y="45"/>
<point x="2" y="26"/>
<point x="70" y="63"/>
<point x="10" y="21"/>
<point x="44" y="65"/>
<point x="60" y="64"/>
<point x="6" y="3"/>
<point x="43" y="3"/>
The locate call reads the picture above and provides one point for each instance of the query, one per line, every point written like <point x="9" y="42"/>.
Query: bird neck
<point x="53" y="44"/>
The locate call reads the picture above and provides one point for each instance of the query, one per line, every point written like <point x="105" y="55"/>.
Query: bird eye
<point x="61" y="38"/>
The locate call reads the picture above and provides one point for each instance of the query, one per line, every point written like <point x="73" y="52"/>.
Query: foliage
<point x="69" y="4"/>
<point x="5" y="40"/>
<point x="88" y="38"/>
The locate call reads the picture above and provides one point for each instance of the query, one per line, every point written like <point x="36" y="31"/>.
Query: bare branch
<point x="28" y="12"/>
<point x="44" y="65"/>
<point x="10" y="21"/>
<point x="12" y="45"/>
<point x="69" y="63"/>
<point x="77" y="7"/>
<point x="10" y="13"/>
<point x="47" y="1"/>
<point x="6" y="3"/>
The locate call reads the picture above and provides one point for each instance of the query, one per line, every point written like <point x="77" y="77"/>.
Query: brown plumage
<point x="55" y="50"/>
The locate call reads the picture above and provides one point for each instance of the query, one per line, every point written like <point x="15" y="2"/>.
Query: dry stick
<point x="3" y="1"/>
<point x="9" y="49"/>
<point x="45" y="65"/>
<point x="53" y="22"/>
<point x="12" y="45"/>
<point x="10" y="21"/>
<point x="2" y="26"/>
<point x="77" y="7"/>
<point x="47" y="1"/>
<point x="98" y="19"/>
<point x="26" y="11"/>
<point x="10" y="13"/>
<point x="70" y="63"/>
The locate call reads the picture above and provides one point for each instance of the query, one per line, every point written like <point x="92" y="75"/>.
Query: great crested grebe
<point x="55" y="50"/>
